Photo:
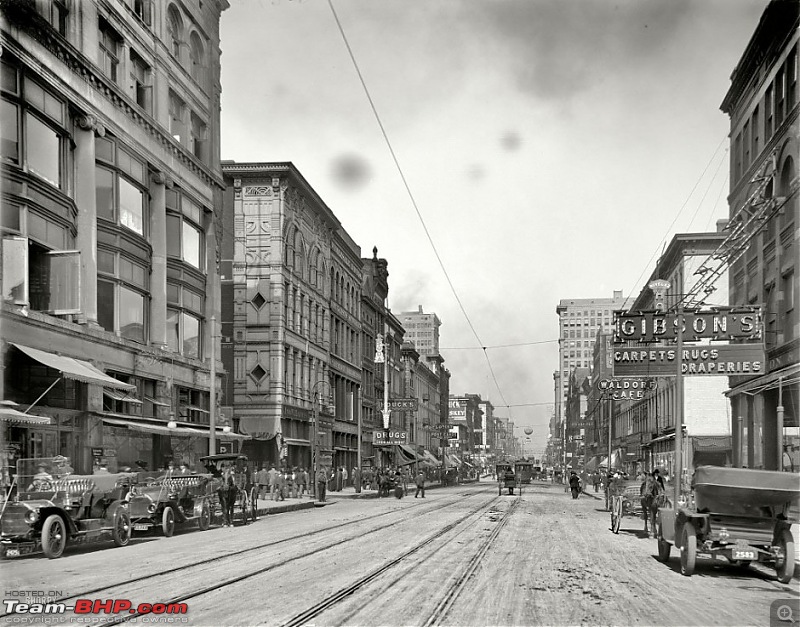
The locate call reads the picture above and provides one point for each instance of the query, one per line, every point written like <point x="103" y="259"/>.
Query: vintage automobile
<point x="744" y="515"/>
<point x="48" y="507"/>
<point x="162" y="499"/>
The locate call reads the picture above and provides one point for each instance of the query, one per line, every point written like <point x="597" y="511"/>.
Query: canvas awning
<point x="711" y="442"/>
<point x="260" y="427"/>
<point x="7" y="414"/>
<point x="296" y="442"/>
<point x="71" y="368"/>
<point x="592" y="463"/>
<point x="431" y="457"/>
<point x="121" y="396"/>
<point x="143" y="427"/>
<point x="785" y="376"/>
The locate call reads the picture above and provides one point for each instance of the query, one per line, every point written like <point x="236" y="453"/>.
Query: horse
<point x="653" y="497"/>
<point x="227" y="493"/>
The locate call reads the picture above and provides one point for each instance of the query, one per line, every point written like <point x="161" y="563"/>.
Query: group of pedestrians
<point x="281" y="484"/>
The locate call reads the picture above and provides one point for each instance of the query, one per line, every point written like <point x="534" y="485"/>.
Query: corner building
<point x="762" y="103"/>
<point x="292" y="281"/>
<point x="111" y="192"/>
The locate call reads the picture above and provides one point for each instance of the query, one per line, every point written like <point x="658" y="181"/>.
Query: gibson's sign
<point x="717" y="324"/>
<point x="723" y="360"/>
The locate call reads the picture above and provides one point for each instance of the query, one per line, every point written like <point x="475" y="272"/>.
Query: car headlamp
<point x="31" y="516"/>
<point x="151" y="509"/>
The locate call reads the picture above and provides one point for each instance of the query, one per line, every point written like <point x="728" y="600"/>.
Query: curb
<point x="280" y="509"/>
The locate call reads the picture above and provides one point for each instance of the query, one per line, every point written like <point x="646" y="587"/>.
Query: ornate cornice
<point x="82" y="67"/>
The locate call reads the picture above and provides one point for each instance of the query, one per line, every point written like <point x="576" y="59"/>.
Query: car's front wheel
<point x="168" y="521"/>
<point x="121" y="533"/>
<point x="54" y="536"/>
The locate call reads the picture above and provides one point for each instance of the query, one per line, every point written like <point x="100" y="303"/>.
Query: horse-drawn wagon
<point x="507" y="479"/>
<point x="631" y="497"/>
<point x="233" y="486"/>
<point x="741" y="514"/>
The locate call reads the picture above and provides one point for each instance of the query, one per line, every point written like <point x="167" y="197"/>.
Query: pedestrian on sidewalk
<point x="345" y="476"/>
<point x="420" y="482"/>
<point x="302" y="482"/>
<point x="339" y="478"/>
<point x="262" y="482"/>
<point x="280" y="486"/>
<point x="273" y="482"/>
<point x="322" y="483"/>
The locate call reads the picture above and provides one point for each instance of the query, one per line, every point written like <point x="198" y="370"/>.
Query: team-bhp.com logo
<point x="96" y="606"/>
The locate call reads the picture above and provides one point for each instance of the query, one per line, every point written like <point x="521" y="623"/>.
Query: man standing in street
<point x="273" y="482"/>
<point x="419" y="480"/>
<point x="322" y="483"/>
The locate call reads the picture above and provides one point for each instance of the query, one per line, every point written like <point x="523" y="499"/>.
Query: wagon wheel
<point x="688" y="550"/>
<point x="616" y="514"/>
<point x="121" y="533"/>
<point x="54" y="536"/>
<point x="784" y="567"/>
<point x="204" y="521"/>
<point x="245" y="505"/>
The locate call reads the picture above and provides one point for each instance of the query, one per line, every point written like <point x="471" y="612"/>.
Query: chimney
<point x="420" y="309"/>
<point x="617" y="294"/>
<point x="721" y="224"/>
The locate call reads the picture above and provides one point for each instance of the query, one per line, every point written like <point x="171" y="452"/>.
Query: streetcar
<point x="524" y="470"/>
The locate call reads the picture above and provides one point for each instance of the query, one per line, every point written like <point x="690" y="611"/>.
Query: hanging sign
<point x="723" y="360"/>
<point x="389" y="437"/>
<point x="724" y="323"/>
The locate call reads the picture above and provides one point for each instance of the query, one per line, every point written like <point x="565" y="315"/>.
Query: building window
<point x="746" y="144"/>
<point x="140" y="77"/>
<point x="789" y="308"/>
<point x="122" y="286"/>
<point x="791" y="80"/>
<point x="754" y="128"/>
<point x="184" y="320"/>
<point x="184" y="233"/>
<point x="56" y="13"/>
<point x="197" y="138"/>
<point x="174" y="32"/>
<point x="177" y="128"/>
<point x="779" y="95"/>
<point x="120" y="186"/>
<point x="43" y="279"/>
<point x="197" y="53"/>
<point x="109" y="43"/>
<point x="768" y="102"/>
<point x="33" y="122"/>
<point x="192" y="405"/>
<point x="143" y="9"/>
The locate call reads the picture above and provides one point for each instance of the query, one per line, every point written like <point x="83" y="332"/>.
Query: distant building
<point x="762" y="103"/>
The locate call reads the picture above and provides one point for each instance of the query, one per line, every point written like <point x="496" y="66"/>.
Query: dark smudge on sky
<point x="351" y="171"/>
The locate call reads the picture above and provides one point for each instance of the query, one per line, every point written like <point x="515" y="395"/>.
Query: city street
<point x="461" y="556"/>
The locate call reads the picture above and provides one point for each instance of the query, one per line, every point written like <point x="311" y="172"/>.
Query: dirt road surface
<point x="462" y="556"/>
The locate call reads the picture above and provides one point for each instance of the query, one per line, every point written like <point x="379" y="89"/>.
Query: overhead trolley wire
<point x="411" y="195"/>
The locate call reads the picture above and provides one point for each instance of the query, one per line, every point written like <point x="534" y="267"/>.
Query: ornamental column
<point x="160" y="182"/>
<point x="86" y="127"/>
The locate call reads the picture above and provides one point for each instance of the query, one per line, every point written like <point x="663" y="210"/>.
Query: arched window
<point x="299" y="257"/>
<point x="174" y="31"/>
<point x="197" y="54"/>
<point x="788" y="173"/>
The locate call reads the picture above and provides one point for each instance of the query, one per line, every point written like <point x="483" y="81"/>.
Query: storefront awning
<point x="296" y="442"/>
<point x="785" y="376"/>
<point x="121" y="396"/>
<point x="405" y="455"/>
<point x="711" y="443"/>
<point x="12" y="415"/>
<point x="431" y="457"/>
<point x="260" y="427"/>
<point x="143" y="427"/>
<point x="455" y="460"/>
<point x="592" y="464"/>
<point x="71" y="368"/>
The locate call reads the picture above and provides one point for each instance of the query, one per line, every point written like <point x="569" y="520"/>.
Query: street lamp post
<point x="315" y="442"/>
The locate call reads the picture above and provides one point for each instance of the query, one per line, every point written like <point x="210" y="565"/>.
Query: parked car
<point x="48" y="507"/>
<point x="163" y="500"/>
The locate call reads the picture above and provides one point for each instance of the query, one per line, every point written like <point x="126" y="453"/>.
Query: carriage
<point x="245" y="492"/>
<point x="744" y="515"/>
<point x="507" y="479"/>
<point x="625" y="499"/>
<point x="48" y="507"/>
<point x="163" y="500"/>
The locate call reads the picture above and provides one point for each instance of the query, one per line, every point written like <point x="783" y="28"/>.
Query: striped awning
<point x="7" y="414"/>
<point x="72" y="368"/>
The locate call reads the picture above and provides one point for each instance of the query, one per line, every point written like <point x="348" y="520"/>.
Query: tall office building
<point x="423" y="330"/>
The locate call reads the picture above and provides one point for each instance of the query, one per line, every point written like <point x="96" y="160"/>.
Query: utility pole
<point x="678" y="473"/>
<point x="212" y="395"/>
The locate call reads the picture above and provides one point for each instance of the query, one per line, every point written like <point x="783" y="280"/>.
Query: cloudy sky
<point x="547" y="149"/>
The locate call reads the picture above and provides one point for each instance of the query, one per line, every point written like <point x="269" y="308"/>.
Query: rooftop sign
<point x="724" y="323"/>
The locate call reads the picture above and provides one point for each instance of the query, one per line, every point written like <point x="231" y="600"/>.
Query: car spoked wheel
<point x="784" y="565"/>
<point x="122" y="529"/>
<point x="688" y="550"/>
<point x="54" y="536"/>
<point x="168" y="521"/>
<point x="664" y="547"/>
<point x="204" y="521"/>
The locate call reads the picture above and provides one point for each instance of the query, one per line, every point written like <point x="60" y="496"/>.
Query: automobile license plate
<point x="12" y="552"/>
<point x="141" y="527"/>
<point x="743" y="555"/>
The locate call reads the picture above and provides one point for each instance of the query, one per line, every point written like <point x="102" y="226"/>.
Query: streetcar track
<point x="337" y="597"/>
<point x="237" y="554"/>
